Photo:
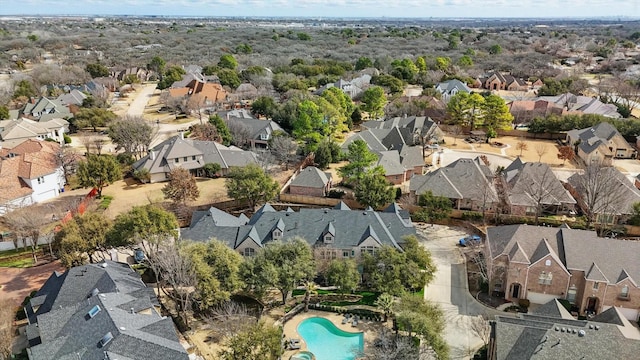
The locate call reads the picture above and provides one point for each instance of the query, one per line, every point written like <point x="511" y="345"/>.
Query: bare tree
<point x="388" y="346"/>
<point x="27" y="223"/>
<point x="456" y="130"/>
<point x="68" y="159"/>
<point x="539" y="184"/>
<point x="522" y="146"/>
<point x="601" y="190"/>
<point x="6" y="328"/>
<point x="229" y="319"/>
<point x="479" y="326"/>
<point x="195" y="104"/>
<point x="240" y="133"/>
<point x="541" y="150"/>
<point x="283" y="149"/>
<point x="175" y="270"/>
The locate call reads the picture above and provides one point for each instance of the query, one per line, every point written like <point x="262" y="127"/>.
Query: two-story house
<point x="450" y="88"/>
<point x="498" y="81"/>
<point x="600" y="144"/>
<point x="192" y="155"/>
<point x="29" y="173"/>
<point x="338" y="233"/>
<point x="542" y="263"/>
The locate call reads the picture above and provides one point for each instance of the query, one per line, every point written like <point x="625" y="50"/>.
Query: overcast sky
<point x="329" y="8"/>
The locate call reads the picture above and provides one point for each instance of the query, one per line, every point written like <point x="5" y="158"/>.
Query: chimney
<point x="152" y="154"/>
<point x="133" y="312"/>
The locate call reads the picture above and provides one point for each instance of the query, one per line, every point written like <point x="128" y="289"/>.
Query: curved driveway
<point x="450" y="289"/>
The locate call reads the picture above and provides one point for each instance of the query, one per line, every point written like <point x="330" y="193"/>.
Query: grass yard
<point x="19" y="262"/>
<point x="368" y="297"/>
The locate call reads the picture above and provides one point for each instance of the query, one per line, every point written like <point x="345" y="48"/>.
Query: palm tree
<point x="385" y="303"/>
<point x="310" y="289"/>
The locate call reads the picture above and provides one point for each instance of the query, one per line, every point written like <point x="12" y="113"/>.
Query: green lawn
<point x="9" y="253"/>
<point x="17" y="263"/>
<point x="368" y="297"/>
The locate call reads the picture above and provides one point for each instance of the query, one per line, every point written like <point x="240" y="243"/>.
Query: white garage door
<point x="630" y="314"/>
<point x="540" y="298"/>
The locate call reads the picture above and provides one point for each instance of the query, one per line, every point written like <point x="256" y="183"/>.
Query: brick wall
<point x="305" y="190"/>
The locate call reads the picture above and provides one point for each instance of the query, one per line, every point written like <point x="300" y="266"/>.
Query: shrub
<point x="67" y="139"/>
<point x="524" y="304"/>
<point x="471" y="215"/>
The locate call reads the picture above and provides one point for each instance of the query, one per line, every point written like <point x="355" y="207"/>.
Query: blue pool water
<point x="327" y="342"/>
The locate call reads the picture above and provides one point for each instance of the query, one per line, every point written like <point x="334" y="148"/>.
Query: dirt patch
<point x="16" y="284"/>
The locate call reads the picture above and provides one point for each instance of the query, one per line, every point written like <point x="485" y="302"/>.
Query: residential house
<point x="428" y="106"/>
<point x="413" y="129"/>
<point x="29" y="173"/>
<point x="467" y="182"/>
<point x="14" y="132"/>
<point x="450" y="88"/>
<point x="194" y="74"/>
<point x="498" y="81"/>
<point x="533" y="185"/>
<point x="338" y="233"/>
<point x="191" y="155"/>
<point x="600" y="144"/>
<point x="550" y="332"/>
<point x="141" y="73"/>
<point x="99" y="311"/>
<point x="574" y="104"/>
<point x="615" y="194"/>
<point x="524" y="111"/>
<point x="73" y="97"/>
<point x="541" y="263"/>
<point x="43" y="109"/>
<point x="206" y="94"/>
<point x="352" y="88"/>
<point x="311" y="181"/>
<point x="407" y="160"/>
<point x="259" y="131"/>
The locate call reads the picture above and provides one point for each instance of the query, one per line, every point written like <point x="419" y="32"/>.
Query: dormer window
<point x="276" y="234"/>
<point x="249" y="252"/>
<point x="264" y="136"/>
<point x="328" y="238"/>
<point x="624" y="292"/>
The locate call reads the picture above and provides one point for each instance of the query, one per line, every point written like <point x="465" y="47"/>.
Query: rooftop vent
<point x="106" y="339"/>
<point x="581" y="333"/>
<point x="94" y="292"/>
<point x="104" y="265"/>
<point x="94" y="311"/>
<point x="597" y="327"/>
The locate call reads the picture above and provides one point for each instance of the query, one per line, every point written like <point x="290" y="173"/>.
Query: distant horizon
<point x="340" y="9"/>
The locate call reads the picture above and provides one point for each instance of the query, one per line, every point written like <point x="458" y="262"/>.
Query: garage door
<point x="629" y="314"/>
<point x="540" y="298"/>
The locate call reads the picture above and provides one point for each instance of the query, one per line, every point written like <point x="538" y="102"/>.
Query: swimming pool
<point x="327" y="342"/>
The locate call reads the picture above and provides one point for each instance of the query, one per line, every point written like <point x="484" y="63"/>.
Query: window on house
<point x="624" y="292"/>
<point x="547" y="263"/>
<point x="249" y="252"/>
<point x="545" y="278"/>
<point x="177" y="160"/>
<point x="328" y="238"/>
<point x="193" y="157"/>
<point x="40" y="180"/>
<point x="571" y="294"/>
<point x="368" y="249"/>
<point x="596" y="285"/>
<point x="185" y="159"/>
<point x="277" y="234"/>
<point x="345" y="253"/>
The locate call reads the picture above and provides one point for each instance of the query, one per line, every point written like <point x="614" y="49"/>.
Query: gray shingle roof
<point x="602" y="259"/>
<point x="531" y="181"/>
<point x="68" y="331"/>
<point x="550" y="335"/>
<point x="310" y="224"/>
<point x="622" y="196"/>
<point x="462" y="179"/>
<point x="312" y="177"/>
<point x="257" y="127"/>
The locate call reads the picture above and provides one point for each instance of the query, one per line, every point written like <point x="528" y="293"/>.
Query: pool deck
<point x="370" y="328"/>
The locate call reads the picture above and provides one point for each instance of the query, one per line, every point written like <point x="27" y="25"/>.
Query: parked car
<point x="470" y="240"/>
<point x="138" y="255"/>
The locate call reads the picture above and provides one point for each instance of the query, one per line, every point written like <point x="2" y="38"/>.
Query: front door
<point x="515" y="291"/>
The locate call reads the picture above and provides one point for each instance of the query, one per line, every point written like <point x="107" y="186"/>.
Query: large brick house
<point x="498" y="81"/>
<point x="542" y="263"/>
<point x="600" y="144"/>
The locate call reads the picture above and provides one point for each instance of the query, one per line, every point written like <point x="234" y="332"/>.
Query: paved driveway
<point x="450" y="289"/>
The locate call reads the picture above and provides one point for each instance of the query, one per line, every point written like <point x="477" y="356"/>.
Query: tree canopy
<point x="181" y="187"/>
<point x="359" y="158"/>
<point x="374" y="190"/>
<point x="147" y="223"/>
<point x="373" y="101"/>
<point x="343" y="273"/>
<point x="283" y="265"/>
<point x="252" y="184"/>
<point x="93" y="118"/>
<point x="98" y="171"/>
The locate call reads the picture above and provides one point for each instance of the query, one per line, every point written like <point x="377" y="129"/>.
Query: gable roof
<point x="580" y="250"/>
<point x="462" y="179"/>
<point x="533" y="182"/>
<point x="554" y="309"/>
<point x="119" y="319"/>
<point x="256" y="127"/>
<point x="350" y="226"/>
<point x="622" y="196"/>
<point x="447" y="87"/>
<point x="312" y="177"/>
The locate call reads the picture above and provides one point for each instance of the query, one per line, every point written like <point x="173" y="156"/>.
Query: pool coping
<point x="369" y="329"/>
